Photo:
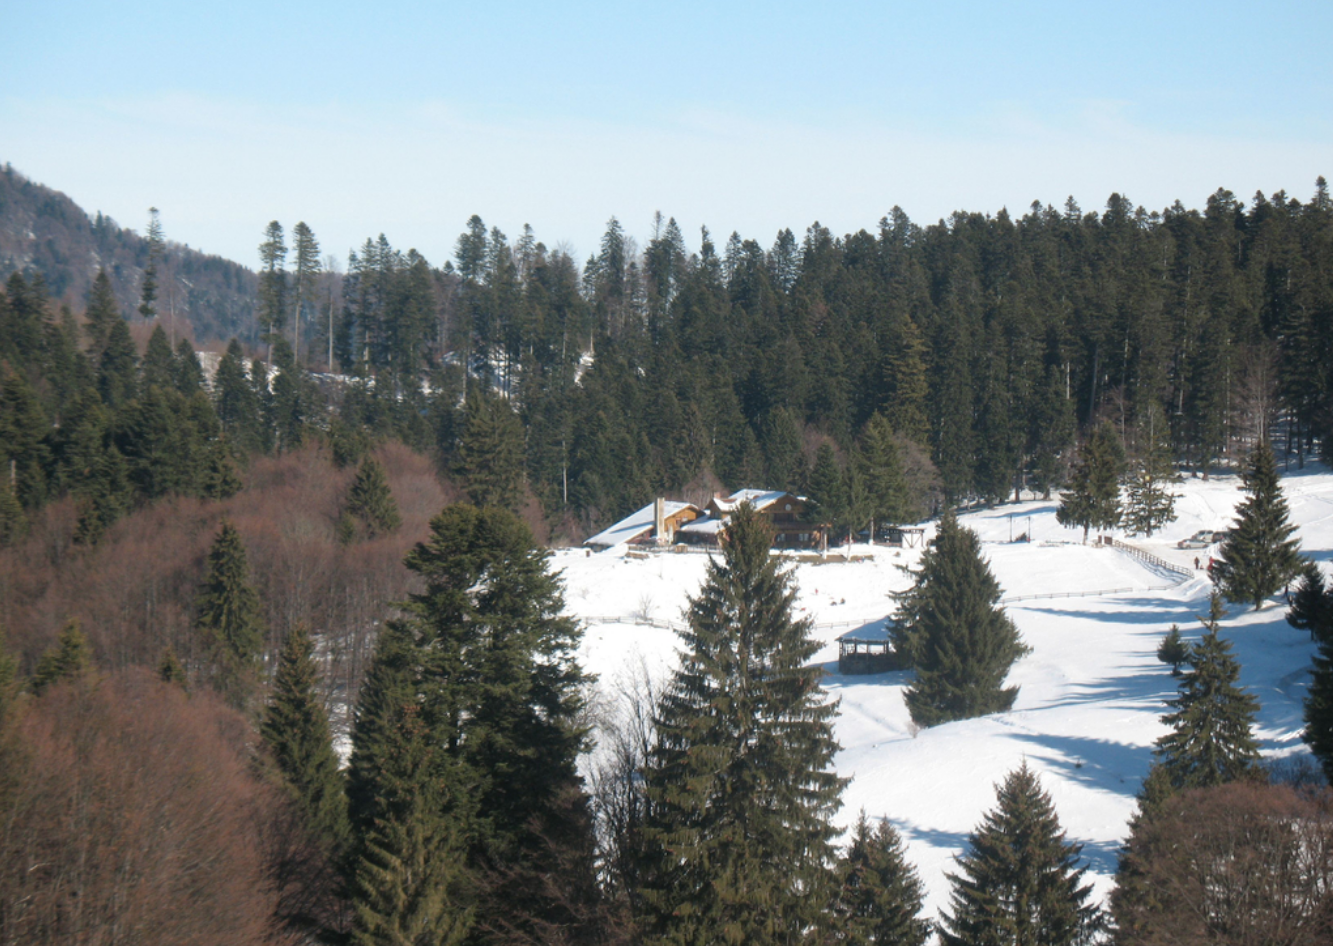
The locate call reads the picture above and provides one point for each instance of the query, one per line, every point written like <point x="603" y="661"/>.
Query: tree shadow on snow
<point x="1137" y="610"/>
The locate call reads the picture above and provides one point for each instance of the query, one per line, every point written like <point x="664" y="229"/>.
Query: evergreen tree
<point x="24" y="455"/>
<point x="951" y="630"/>
<point x="1211" y="741"/>
<point x="370" y="501"/>
<point x="1174" y="650"/>
<point x="159" y="365"/>
<point x="237" y="404"/>
<point x="740" y="782"/>
<point x="828" y="488"/>
<point x="189" y="374"/>
<point x="118" y="368"/>
<point x="1311" y="610"/>
<point x="296" y="730"/>
<point x="305" y="272"/>
<point x="1093" y="498"/>
<point x="148" y="289"/>
<point x="411" y="886"/>
<point x="882" y="472"/>
<point x="486" y="658"/>
<point x="13" y="523"/>
<point x="107" y="497"/>
<point x="880" y="895"/>
<point x="103" y="312"/>
<point x="169" y="669"/>
<point x="9" y="671"/>
<point x="490" y="453"/>
<point x="1258" y="558"/>
<point x="1018" y="884"/>
<point x="272" y="312"/>
<point x="1149" y="501"/>
<point x="228" y="613"/>
<point x="69" y="659"/>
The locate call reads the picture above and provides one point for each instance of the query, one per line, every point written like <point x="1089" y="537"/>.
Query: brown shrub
<point x="130" y="816"/>
<point x="1242" y="863"/>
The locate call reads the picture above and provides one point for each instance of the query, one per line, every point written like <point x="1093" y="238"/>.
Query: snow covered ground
<point x="1091" y="693"/>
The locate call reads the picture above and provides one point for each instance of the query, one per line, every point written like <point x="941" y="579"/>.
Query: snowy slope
<point x="1091" y="693"/>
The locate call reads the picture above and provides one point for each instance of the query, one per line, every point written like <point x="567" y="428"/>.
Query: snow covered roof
<point x="634" y="525"/>
<point x="759" y="498"/>
<point x="705" y="526"/>
<point x="875" y="633"/>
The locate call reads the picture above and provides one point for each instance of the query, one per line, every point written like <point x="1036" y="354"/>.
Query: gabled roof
<point x="635" y="525"/>
<point x="759" y="498"/>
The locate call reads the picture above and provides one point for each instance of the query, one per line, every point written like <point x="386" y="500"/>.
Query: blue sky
<point x="407" y="118"/>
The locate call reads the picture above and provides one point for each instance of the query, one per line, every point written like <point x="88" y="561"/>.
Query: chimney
<point x="660" y="521"/>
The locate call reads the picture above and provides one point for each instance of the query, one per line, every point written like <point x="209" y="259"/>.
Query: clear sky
<point x="407" y="118"/>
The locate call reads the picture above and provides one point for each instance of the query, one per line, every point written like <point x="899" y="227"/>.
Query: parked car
<point x="1202" y="539"/>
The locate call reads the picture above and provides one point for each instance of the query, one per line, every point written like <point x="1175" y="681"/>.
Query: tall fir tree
<point x="305" y="273"/>
<point x="880" y="894"/>
<point x="1018" y="883"/>
<point x="272" y="312"/>
<point x="1258" y="558"/>
<point x="490" y="452"/>
<point x="1312" y="607"/>
<point x="103" y="311"/>
<point x="1150" y="503"/>
<point x="740" y="783"/>
<point x="228" y="614"/>
<point x="1093" y="497"/>
<point x="69" y="659"/>
<point x="1211" y="741"/>
<point x="486" y="656"/>
<point x="952" y="631"/>
<point x="296" y="730"/>
<point x="370" y="502"/>
<point x="882" y="472"/>
<point x="148" y="288"/>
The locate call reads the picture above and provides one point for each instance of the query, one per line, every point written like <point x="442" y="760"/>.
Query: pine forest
<point x="298" y="629"/>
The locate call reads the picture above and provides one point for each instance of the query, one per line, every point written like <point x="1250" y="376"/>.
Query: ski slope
<point x="1091" y="692"/>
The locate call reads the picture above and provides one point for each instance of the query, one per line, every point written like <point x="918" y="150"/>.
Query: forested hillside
<point x="987" y="343"/>
<point x="44" y="233"/>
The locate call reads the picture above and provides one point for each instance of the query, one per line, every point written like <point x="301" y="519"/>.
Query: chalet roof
<point x="634" y="525"/>
<point x="706" y="526"/>
<point x="759" y="498"/>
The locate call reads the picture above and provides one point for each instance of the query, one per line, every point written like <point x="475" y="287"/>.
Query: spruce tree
<point x="148" y="290"/>
<point x="103" y="311"/>
<point x="169" y="669"/>
<point x="490" y="453"/>
<point x="741" y="787"/>
<point x="882" y="472"/>
<point x="1018" y="882"/>
<point x="13" y="522"/>
<point x="9" y="672"/>
<point x="1173" y="650"/>
<point x="1093" y="498"/>
<point x="1258" y="558"/>
<point x="1211" y="740"/>
<point x="370" y="501"/>
<point x="118" y="368"/>
<point x="952" y="631"/>
<point x="159" y="365"/>
<point x="296" y="730"/>
<point x="880" y="894"/>
<point x="1311" y="611"/>
<point x="228" y="613"/>
<point x="69" y="659"/>
<point x="1150" y="502"/>
<point x="410" y="882"/>
<point x="189" y="373"/>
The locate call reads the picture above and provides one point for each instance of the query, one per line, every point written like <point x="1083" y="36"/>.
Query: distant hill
<point x="44" y="232"/>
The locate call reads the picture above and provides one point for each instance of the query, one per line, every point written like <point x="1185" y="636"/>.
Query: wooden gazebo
<point x="868" y="649"/>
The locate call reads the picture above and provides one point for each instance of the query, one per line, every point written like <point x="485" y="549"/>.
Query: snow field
<point x="1091" y="692"/>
